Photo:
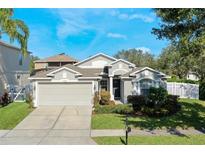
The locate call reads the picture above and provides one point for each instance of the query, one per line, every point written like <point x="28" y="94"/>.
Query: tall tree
<point x="184" y="27"/>
<point x="138" y="57"/>
<point x="171" y="63"/>
<point x="32" y="65"/>
<point x="14" y="28"/>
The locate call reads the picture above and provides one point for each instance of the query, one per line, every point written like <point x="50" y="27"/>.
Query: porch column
<point x="111" y="88"/>
<point x="138" y="88"/>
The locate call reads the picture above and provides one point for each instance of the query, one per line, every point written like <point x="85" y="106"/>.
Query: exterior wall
<point x="64" y="74"/>
<point x="119" y="68"/>
<point x="97" y="62"/>
<point x="10" y="67"/>
<point x="40" y="66"/>
<point x="126" y="90"/>
<point x="34" y="89"/>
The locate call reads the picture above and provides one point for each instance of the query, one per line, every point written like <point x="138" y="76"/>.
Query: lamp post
<point x="127" y="130"/>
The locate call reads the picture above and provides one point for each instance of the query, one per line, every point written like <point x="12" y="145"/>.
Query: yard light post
<point x="127" y="130"/>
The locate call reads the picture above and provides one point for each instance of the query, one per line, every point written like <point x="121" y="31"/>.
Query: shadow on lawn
<point x="191" y="115"/>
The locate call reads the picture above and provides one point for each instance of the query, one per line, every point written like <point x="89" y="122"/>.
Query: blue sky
<point x="84" y="32"/>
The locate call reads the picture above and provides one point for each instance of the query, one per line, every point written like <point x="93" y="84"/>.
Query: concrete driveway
<point x="53" y="125"/>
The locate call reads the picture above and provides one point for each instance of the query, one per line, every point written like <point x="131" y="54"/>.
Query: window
<point x="53" y="64"/>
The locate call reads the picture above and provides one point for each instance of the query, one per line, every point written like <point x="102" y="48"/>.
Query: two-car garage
<point x="64" y="93"/>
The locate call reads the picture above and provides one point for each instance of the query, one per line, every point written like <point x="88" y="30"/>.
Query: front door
<point x="116" y="88"/>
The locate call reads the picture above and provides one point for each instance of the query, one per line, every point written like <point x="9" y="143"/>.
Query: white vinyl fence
<point x="183" y="90"/>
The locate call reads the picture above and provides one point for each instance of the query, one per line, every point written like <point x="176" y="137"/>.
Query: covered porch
<point x="113" y="85"/>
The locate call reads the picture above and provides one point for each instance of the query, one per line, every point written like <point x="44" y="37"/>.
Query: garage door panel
<point x="65" y="93"/>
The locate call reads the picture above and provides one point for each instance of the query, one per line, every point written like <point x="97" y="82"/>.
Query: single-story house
<point x="192" y="76"/>
<point x="76" y="84"/>
<point x="14" y="68"/>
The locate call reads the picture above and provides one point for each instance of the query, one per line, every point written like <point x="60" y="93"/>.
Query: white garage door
<point x="75" y="93"/>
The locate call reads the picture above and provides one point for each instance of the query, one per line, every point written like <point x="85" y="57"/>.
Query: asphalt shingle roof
<point x="86" y="72"/>
<point x="134" y="70"/>
<point x="57" y="58"/>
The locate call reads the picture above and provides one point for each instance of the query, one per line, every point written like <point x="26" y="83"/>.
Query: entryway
<point x="117" y="88"/>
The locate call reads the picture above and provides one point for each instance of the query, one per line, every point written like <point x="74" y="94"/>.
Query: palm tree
<point x="14" y="28"/>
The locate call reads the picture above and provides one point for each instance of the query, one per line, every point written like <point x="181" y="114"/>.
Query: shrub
<point x="120" y="109"/>
<point x="137" y="101"/>
<point x="96" y="99"/>
<point x="123" y="109"/>
<point x="5" y="99"/>
<point x="157" y="97"/>
<point x="202" y="91"/>
<point x="172" y="104"/>
<point x="29" y="100"/>
<point x="156" y="103"/>
<point x="111" y="102"/>
<point x="104" y="97"/>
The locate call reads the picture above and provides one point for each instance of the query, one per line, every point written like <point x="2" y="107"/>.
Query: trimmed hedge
<point x="157" y="103"/>
<point x="137" y="101"/>
<point x="120" y="109"/>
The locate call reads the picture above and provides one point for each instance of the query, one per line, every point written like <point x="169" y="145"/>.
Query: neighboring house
<point x="192" y="76"/>
<point x="14" y="68"/>
<point x="76" y="84"/>
<point x="53" y="62"/>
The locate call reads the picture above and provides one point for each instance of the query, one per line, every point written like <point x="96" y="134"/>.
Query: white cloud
<point x="144" y="49"/>
<point x="116" y="35"/>
<point x="72" y="22"/>
<point x="134" y="16"/>
<point x="145" y="18"/>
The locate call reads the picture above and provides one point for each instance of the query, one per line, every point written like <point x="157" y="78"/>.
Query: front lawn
<point x="153" y="140"/>
<point x="12" y="114"/>
<point x="192" y="115"/>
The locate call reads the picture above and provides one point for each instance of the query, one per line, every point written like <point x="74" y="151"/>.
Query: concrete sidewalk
<point x="136" y="132"/>
<point x="62" y="125"/>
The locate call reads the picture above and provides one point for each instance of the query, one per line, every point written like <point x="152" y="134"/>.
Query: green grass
<point x="12" y="114"/>
<point x="192" y="115"/>
<point x="153" y="140"/>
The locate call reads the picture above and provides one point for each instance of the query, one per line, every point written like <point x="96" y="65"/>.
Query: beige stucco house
<point x="76" y="84"/>
<point x="54" y="61"/>
<point x="14" y="68"/>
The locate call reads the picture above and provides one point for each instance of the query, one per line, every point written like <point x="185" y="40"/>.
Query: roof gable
<point x="124" y="61"/>
<point x="95" y="56"/>
<point x="140" y="69"/>
<point x="63" y="68"/>
<point x="146" y="68"/>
